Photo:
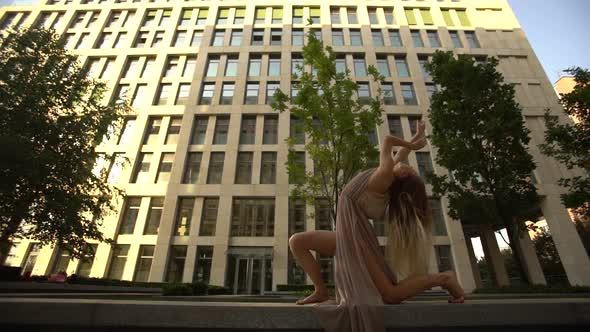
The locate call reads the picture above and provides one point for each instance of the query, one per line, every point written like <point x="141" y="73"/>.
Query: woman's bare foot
<point x="451" y="284"/>
<point x="315" y="297"/>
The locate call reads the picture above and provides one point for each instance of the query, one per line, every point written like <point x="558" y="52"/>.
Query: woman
<point x="364" y="276"/>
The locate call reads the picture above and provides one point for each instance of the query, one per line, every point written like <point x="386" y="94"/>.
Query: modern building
<point x="208" y="192"/>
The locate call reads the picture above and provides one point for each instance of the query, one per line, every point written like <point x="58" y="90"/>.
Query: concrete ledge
<point x="96" y="314"/>
<point x="40" y="287"/>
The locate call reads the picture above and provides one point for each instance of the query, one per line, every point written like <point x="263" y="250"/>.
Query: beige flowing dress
<point x="358" y="305"/>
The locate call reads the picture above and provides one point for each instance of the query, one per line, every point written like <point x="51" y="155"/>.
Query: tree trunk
<point x="513" y="237"/>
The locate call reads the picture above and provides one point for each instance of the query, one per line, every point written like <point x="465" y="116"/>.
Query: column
<point x="530" y="261"/>
<point x="494" y="258"/>
<point x="473" y="260"/>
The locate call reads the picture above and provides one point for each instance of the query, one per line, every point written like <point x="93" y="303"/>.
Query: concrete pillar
<point x="530" y="261"/>
<point x="494" y="258"/>
<point x="567" y="241"/>
<point x="221" y="242"/>
<point x="281" y="247"/>
<point x="474" y="266"/>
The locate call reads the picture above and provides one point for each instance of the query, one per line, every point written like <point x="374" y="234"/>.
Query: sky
<point x="558" y="32"/>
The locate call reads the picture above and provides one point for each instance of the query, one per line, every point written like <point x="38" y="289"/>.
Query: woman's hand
<point x="419" y="140"/>
<point x="418" y="143"/>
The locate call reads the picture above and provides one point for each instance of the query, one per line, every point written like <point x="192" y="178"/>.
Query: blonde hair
<point x="409" y="228"/>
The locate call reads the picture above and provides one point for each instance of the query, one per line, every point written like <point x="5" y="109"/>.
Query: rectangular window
<point x="414" y="120"/>
<point x="364" y="93"/>
<point x="463" y="19"/>
<point x="183" y="94"/>
<point x="209" y="216"/>
<point x="221" y="129"/>
<point x="424" y="163"/>
<point x="148" y="68"/>
<point x="410" y="17"/>
<point x="355" y="37"/>
<point x="447" y="17"/>
<point x="215" y="172"/>
<point x="383" y="66"/>
<point x="437" y="217"/>
<point x="86" y="262"/>
<point x="444" y="259"/>
<point x="222" y="16"/>
<point x="417" y="38"/>
<point x="322" y="214"/>
<point x="430" y="89"/>
<point x="185" y="18"/>
<point x="274" y="65"/>
<point x="184" y="214"/>
<point x="62" y="260"/>
<point x="139" y="99"/>
<point x="179" y="38"/>
<point x="268" y="168"/>
<point x="433" y="38"/>
<point x="297" y="216"/>
<point x="257" y="37"/>
<point x="239" y="15"/>
<point x="132" y="69"/>
<point x="192" y="167"/>
<point x="395" y="38"/>
<point x="142" y="168"/>
<point x="340" y="64"/>
<point x="176" y="260"/>
<point x="130" y="215"/>
<point x="296" y="130"/>
<point x="152" y="224"/>
<point x="189" y="66"/>
<point x="408" y="94"/>
<point x="296" y="275"/>
<point x="105" y="40"/>
<point x="244" y="168"/>
<point x="271" y="88"/>
<point x="121" y="40"/>
<point x="389" y="19"/>
<point x="472" y="39"/>
<point x="171" y="66"/>
<point x="276" y="36"/>
<point x="253" y="217"/>
<point x="360" y="67"/>
<point x="395" y="126"/>
<point x="248" y="129"/>
<point x="270" y="133"/>
<point x="297" y="37"/>
<point x="388" y="93"/>
<point x="277" y="15"/>
<point x="296" y="65"/>
<point x="164" y="94"/>
<point x="197" y="37"/>
<point x="202" y="16"/>
<point x="337" y="37"/>
<point x="236" y="38"/>
<point x="377" y="37"/>
<point x="254" y="65"/>
<point x="165" y="17"/>
<point x="402" y="67"/>
<point x="144" y="263"/>
<point x="351" y="14"/>
<point x="260" y="15"/>
<point x="203" y="264"/>
<point x="212" y="66"/>
<point x="117" y="261"/>
<point x="31" y="258"/>
<point x="423" y="61"/>
<point x="457" y="43"/>
<point x="199" y="130"/>
<point x="165" y="167"/>
<point x="335" y="15"/>
<point x="251" y="93"/>
<point x="227" y="93"/>
<point x="373" y="19"/>
<point x="158" y="39"/>
<point x="426" y="16"/>
<point x="300" y="166"/>
<point x="207" y="94"/>
<point x="218" y="37"/>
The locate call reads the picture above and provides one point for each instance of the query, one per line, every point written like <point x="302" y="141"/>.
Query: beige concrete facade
<point x="98" y="39"/>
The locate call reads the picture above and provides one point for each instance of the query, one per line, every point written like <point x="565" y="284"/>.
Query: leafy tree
<point x="337" y="122"/>
<point x="51" y="118"/>
<point x="479" y="132"/>
<point x="547" y="253"/>
<point x="569" y="143"/>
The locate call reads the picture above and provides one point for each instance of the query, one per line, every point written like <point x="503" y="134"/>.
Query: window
<point x="395" y="38"/>
<point x="444" y="260"/>
<point x="254" y="65"/>
<point x="244" y="168"/>
<point x="268" y="168"/>
<point x="426" y="16"/>
<point x="197" y="37"/>
<point x="173" y="130"/>
<point x="158" y="39"/>
<point x="337" y="37"/>
<point x="202" y="16"/>
<point x="270" y="133"/>
<point x="463" y="19"/>
<point x="171" y="66"/>
<point x="260" y="15"/>
<point x="185" y="19"/>
<point x="417" y="38"/>
<point x="294" y="90"/>
<point x="251" y="93"/>
<point x="275" y="36"/>
<point x="341" y="64"/>
<point x="144" y="263"/>
<point x="141" y="39"/>
<point x="248" y="129"/>
<point x="257" y="37"/>
<point x="132" y="69"/>
<point x="408" y="94"/>
<point x="388" y="15"/>
<point x="299" y="158"/>
<point x="148" y="69"/>
<point x="297" y="37"/>
<point x="164" y="94"/>
<point x="364" y="93"/>
<point x="150" y="17"/>
<point x="105" y="40"/>
<point x="179" y="38"/>
<point x="218" y="37"/>
<point x="62" y="260"/>
<point x="355" y="37"/>
<point x="253" y="217"/>
<point x="322" y="214"/>
<point x="207" y="93"/>
<point x="85" y="264"/>
<point x="277" y="15"/>
<point x="373" y="19"/>
<point x="239" y="15"/>
<point x="274" y="65"/>
<point x="410" y="17"/>
<point x="402" y="67"/>
<point x="117" y="261"/>
<point x="430" y="89"/>
<point x="152" y="224"/>
<point x="314" y="15"/>
<point x="165" y="17"/>
<point x="395" y="126"/>
<point x="184" y="215"/>
<point x="126" y="132"/>
<point x="437" y="217"/>
<point x="433" y="38"/>
<point x="221" y="129"/>
<point x="140" y="95"/>
<point x="414" y="119"/>
<point x="176" y="260"/>
<point x="128" y="18"/>
<point x="297" y="15"/>
<point x="212" y="66"/>
<point x="215" y="168"/>
<point x="447" y="17"/>
<point x="297" y="65"/>
<point x="199" y="130"/>
<point x="335" y="15"/>
<point x="142" y="168"/>
<point x="351" y="14"/>
<point x="121" y="93"/>
<point x="360" y="67"/>
<point x="203" y="264"/>
<point x="457" y="43"/>
<point x="423" y="60"/>
<point x="183" y="94"/>
<point x="189" y="66"/>
<point x="377" y="37"/>
<point x="236" y="38"/>
<point x="296" y="130"/>
<point x="271" y="88"/>
<point x="116" y="168"/>
<point x="424" y="163"/>
<point x="192" y="167"/>
<point x="297" y="216"/>
<point x="222" y="16"/>
<point x="472" y="39"/>
<point x="227" y="93"/>
<point x="7" y="20"/>
<point x="388" y="93"/>
<point x="31" y="258"/>
<point x="383" y="66"/>
<point x="209" y="216"/>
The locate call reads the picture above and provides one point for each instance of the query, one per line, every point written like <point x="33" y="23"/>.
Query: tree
<point x="51" y="118"/>
<point x="569" y="143"/>
<point x="337" y="122"/>
<point x="479" y="133"/>
<point x="547" y="253"/>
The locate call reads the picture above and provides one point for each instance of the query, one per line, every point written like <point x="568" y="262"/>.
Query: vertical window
<point x="116" y="168"/>
<point x="179" y="38"/>
<point x="360" y="67"/>
<point x="203" y="264"/>
<point x="239" y="15"/>
<point x="433" y="38"/>
<point x="105" y="40"/>
<point x="423" y="61"/>
<point x="165" y="17"/>
<point x="355" y="37"/>
<point x="199" y="130"/>
<point x="176" y="260"/>
<point x="126" y="132"/>
<point x="171" y="66"/>
<point x="222" y="16"/>
<point x="244" y="168"/>
<point x="196" y="39"/>
<point x="257" y="37"/>
<point x="424" y="163"/>
<point x="455" y="39"/>
<point x="388" y="93"/>
<point x="152" y="224"/>
<point x="426" y="16"/>
<point x="270" y="133"/>
<point x="300" y="164"/>
<point x="430" y="89"/>
<point x="274" y="65"/>
<point x="322" y="214"/>
<point x="253" y="217"/>
<point x="140" y="95"/>
<point x="165" y="167"/>
<point x="183" y="94"/>
<point x="62" y="260"/>
<point x="164" y="94"/>
<point x="150" y="17"/>
<point x="377" y="37"/>
<point x="364" y="93"/>
<point x="158" y="39"/>
<point x="218" y="37"/>
<point x="395" y="126"/>
<point x="373" y="19"/>
<point x="437" y="217"/>
<point x="142" y="168"/>
<point x="402" y="67"/>
<point x="121" y="40"/>
<point x="185" y="18"/>
<point x="122" y="93"/>
<point x="209" y="216"/>
<point x="132" y="69"/>
<point x="260" y="15"/>
<point x="268" y="168"/>
<point x="417" y="38"/>
<point x="444" y="260"/>
<point x="314" y="15"/>
<point x="389" y="15"/>
<point x="414" y="120"/>
<point x="447" y="17"/>
<point x="215" y="168"/>
<point x="383" y="66"/>
<point x="408" y="94"/>
<point x="395" y="38"/>
<point x="227" y="93"/>
<point x="231" y="67"/>
<point x="340" y="64"/>
<point x="86" y="262"/>
<point x="297" y="37"/>
<point x="85" y="37"/>
<point x="351" y="14"/>
<point x="189" y="66"/>
<point x="144" y="263"/>
<point x="276" y="36"/>
<point x="297" y="15"/>
<point x="463" y="19"/>
<point x="236" y="38"/>
<point x="337" y="37"/>
<point x="410" y="17"/>
<point x="202" y="16"/>
<point x="472" y="39"/>
<point x="297" y="216"/>
<point x="252" y="93"/>
<point x="271" y="88"/>
<point x="141" y="39"/>
<point x="254" y="65"/>
<point x="207" y="93"/>
<point x="335" y="15"/>
<point x="192" y="167"/>
<point x="296" y="130"/>
<point x="297" y="65"/>
<point x="31" y="259"/>
<point x="148" y="68"/>
<point x="212" y="66"/>
<point x="248" y="129"/>
<point x="184" y="215"/>
<point x="277" y="15"/>
<point x="221" y="129"/>
<point x="117" y="261"/>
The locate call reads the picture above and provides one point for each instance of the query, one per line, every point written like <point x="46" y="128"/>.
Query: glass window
<point x="472" y="39"/>
<point x="185" y="18"/>
<point x="215" y="168"/>
<point x="300" y="164"/>
<point x="144" y="263"/>
<point x="132" y="69"/>
<point x="244" y="168"/>
<point x="165" y="89"/>
<point x="297" y="216"/>
<point x="126" y="131"/>
<point x="424" y="163"/>
<point x="271" y="88"/>
<point x="203" y="264"/>
<point x="221" y="129"/>
<point x="276" y="36"/>
<point x="297" y="37"/>
<point x="364" y="93"/>
<point x="236" y="38"/>
<point x="254" y="65"/>
<point x="268" y="168"/>
<point x="227" y="93"/>
<point x="277" y="15"/>
<point x="322" y="214"/>
<point x="447" y="17"/>
<point x="158" y="39"/>
<point x="377" y="37"/>
<point x="270" y="133"/>
<point x="423" y="61"/>
<point x="414" y="119"/>
<point x="395" y="126"/>
<point x="139" y="99"/>
<point x="274" y="65"/>
<point x="165" y="167"/>
<point x="218" y="37"/>
<point x="417" y="38"/>
<point x="410" y="17"/>
<point x="444" y="259"/>
<point x="248" y="129"/>
<point x="408" y="94"/>
<point x="148" y="68"/>
<point x="335" y="15"/>
<point x="383" y="66"/>
<point x="117" y="261"/>
<point x="179" y="38"/>
<point x="239" y="15"/>
<point x="207" y="93"/>
<point x="430" y="89"/>
<point x="463" y="19"/>
<point x="337" y="37"/>
<point x="192" y="167"/>
<point x="373" y="19"/>
<point x="426" y="16"/>
<point x="202" y="16"/>
<point x="197" y="37"/>
<point x="184" y="215"/>
<point x="388" y="93"/>
<point x="341" y="64"/>
<point x="189" y="66"/>
<point x="183" y="94"/>
<point x="257" y="37"/>
<point x="296" y="130"/>
<point x="437" y="217"/>
<point x="433" y="38"/>
<point x="355" y="37"/>
<point x="199" y="130"/>
<point x="360" y="67"/>
<point x="222" y="16"/>
<point x="457" y="43"/>
<point x="176" y="260"/>
<point x="62" y="260"/>
<point x="252" y="93"/>
<point x="351" y="14"/>
<point x="253" y="217"/>
<point x="389" y="15"/>
<point x="173" y="130"/>
<point x="231" y="68"/>
<point x="171" y="66"/>
<point x="260" y="15"/>
<point x="86" y="262"/>
<point x="142" y="168"/>
<point x="297" y="15"/>
<point x="209" y="216"/>
<point x="152" y="224"/>
<point x="402" y="67"/>
<point x="395" y="38"/>
<point x="212" y="66"/>
<point x="165" y="17"/>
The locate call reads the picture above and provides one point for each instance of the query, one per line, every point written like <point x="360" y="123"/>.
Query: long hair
<point x="409" y="226"/>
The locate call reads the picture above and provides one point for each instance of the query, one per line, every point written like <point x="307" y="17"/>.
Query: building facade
<point x="208" y="191"/>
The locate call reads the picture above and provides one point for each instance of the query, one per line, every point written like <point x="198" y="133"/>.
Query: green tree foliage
<point x="569" y="143"/>
<point x="547" y="253"/>
<point x="51" y="118"/>
<point x="481" y="139"/>
<point x="336" y="123"/>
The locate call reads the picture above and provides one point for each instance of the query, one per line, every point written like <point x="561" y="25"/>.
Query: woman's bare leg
<point x="323" y="242"/>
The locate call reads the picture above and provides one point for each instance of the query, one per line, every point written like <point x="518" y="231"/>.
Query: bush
<point x="75" y="279"/>
<point x="533" y="289"/>
<point x="9" y="273"/>
<point x="299" y="288"/>
<point x="199" y="288"/>
<point x="218" y="290"/>
<point x="177" y="289"/>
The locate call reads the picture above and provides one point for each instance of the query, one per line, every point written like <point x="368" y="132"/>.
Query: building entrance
<point x="249" y="270"/>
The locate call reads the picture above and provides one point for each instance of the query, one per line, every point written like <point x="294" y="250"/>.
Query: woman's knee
<point x="296" y="241"/>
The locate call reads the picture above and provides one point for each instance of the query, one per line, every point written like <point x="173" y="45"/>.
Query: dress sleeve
<point x="373" y="204"/>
